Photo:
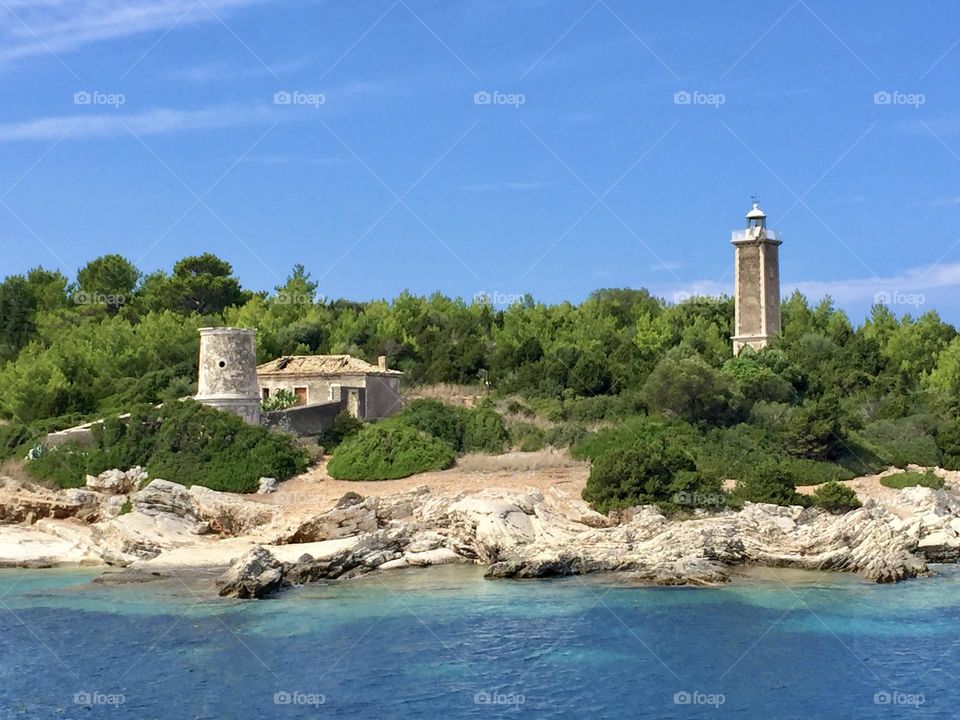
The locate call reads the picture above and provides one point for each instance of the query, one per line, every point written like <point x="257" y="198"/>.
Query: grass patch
<point x="927" y="479"/>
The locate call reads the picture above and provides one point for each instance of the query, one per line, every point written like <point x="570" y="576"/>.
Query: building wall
<point x="303" y="421"/>
<point x="757" y="294"/>
<point x="383" y="396"/>
<point x="377" y="396"/>
<point x="748" y="290"/>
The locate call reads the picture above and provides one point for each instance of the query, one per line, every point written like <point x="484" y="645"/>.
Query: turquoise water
<point x="445" y="643"/>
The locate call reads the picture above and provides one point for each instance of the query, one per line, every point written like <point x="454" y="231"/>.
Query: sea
<point x="444" y="643"/>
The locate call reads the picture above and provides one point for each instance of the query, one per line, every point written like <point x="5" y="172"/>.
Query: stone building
<point x="756" y="283"/>
<point x="366" y="391"/>
<point x="228" y="372"/>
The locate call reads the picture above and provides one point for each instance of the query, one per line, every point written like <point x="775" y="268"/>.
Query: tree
<point x="109" y="280"/>
<point x="815" y="429"/>
<point x="18" y="304"/>
<point x="769" y="482"/>
<point x="202" y="284"/>
<point x="690" y="389"/>
<point x="836" y="497"/>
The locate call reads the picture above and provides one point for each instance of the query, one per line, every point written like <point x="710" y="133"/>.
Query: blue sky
<point x="387" y="170"/>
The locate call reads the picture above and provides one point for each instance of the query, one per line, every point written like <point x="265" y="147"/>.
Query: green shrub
<point x="565" y="435"/>
<point x="527" y="437"/>
<point x="836" y="497"/>
<point x="184" y="442"/>
<point x="770" y="482"/>
<point x="948" y="442"/>
<point x="653" y="471"/>
<point x="484" y="431"/>
<point x="904" y="441"/>
<point x="389" y="451"/>
<point x="690" y="389"/>
<point x="815" y="430"/>
<point x="630" y="432"/>
<point x="444" y="422"/>
<point x="344" y="425"/>
<point x="902" y="480"/>
<point x="280" y="400"/>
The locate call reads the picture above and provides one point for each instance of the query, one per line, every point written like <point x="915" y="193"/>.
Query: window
<point x="301" y="393"/>
<point x="266" y="393"/>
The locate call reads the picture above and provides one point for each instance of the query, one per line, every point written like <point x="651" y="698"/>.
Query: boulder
<point x="255" y="574"/>
<point x="163" y="497"/>
<point x="113" y="482"/>
<point x="267" y="485"/>
<point x="229" y="514"/>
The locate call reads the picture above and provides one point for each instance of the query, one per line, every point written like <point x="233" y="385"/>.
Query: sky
<point x="484" y="147"/>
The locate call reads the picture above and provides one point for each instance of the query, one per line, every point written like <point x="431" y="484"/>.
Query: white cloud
<point x="34" y="27"/>
<point x="150" y="122"/>
<point x="916" y="280"/>
<point x="216" y="71"/>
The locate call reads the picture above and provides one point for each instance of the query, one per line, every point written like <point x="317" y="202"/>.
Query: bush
<point x="527" y="437"/>
<point x="948" y="442"/>
<point x="815" y="430"/>
<point x="444" y="422"/>
<point x="565" y="435"/>
<point x="388" y="452"/>
<point x="634" y="430"/>
<point x="184" y="442"/>
<point x="280" y="400"/>
<point x="770" y="482"/>
<point x="904" y="441"/>
<point x="836" y="497"/>
<point x="650" y="472"/>
<point x="690" y="389"/>
<point x="344" y="425"/>
<point x="902" y="480"/>
<point x="484" y="431"/>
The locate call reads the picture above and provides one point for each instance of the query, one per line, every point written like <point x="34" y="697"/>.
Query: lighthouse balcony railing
<point x="754" y="233"/>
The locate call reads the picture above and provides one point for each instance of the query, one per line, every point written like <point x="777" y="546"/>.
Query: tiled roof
<point x="321" y="365"/>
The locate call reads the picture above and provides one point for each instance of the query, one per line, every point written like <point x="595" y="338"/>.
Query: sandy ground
<point x="316" y="490"/>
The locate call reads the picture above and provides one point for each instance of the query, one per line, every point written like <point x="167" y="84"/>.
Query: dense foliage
<point x="184" y="442"/>
<point x="826" y="402"/>
<point x="835" y="497"/>
<point x="387" y="452"/>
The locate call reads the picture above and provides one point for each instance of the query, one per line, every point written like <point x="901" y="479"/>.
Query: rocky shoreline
<point x="258" y="548"/>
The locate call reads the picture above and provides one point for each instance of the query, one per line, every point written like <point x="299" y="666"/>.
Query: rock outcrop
<point x="255" y="574"/>
<point x="516" y="534"/>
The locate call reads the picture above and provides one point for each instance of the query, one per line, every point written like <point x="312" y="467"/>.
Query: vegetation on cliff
<point x="826" y="402"/>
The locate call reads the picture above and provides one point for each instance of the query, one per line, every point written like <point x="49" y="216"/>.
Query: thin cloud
<point x="30" y="28"/>
<point x="923" y="279"/>
<point x="110" y="124"/>
<point x="220" y="71"/>
<point x="295" y="160"/>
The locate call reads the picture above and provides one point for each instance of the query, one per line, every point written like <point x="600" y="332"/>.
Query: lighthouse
<point x="756" y="282"/>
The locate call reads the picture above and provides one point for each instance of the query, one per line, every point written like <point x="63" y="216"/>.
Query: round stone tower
<point x="228" y="372"/>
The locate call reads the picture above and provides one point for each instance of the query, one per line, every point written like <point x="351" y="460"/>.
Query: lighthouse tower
<point x="757" y="282"/>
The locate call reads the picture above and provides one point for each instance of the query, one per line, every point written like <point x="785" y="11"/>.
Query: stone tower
<point x="228" y="372"/>
<point x="756" y="283"/>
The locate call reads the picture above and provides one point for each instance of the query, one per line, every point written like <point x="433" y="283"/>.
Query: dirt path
<point x="316" y="490"/>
